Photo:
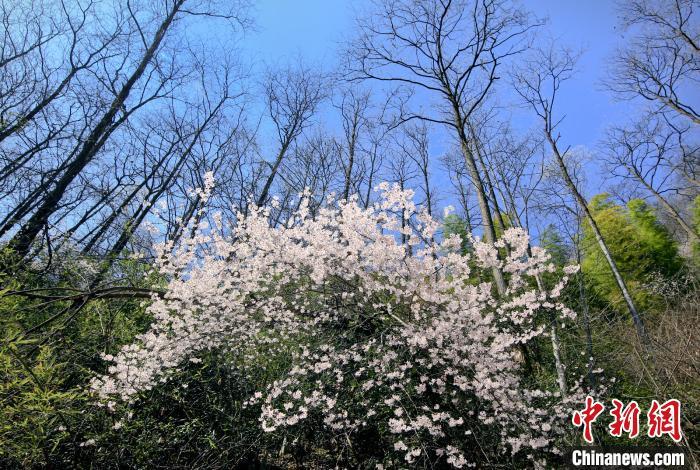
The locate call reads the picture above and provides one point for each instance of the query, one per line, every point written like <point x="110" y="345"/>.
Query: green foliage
<point x="49" y="350"/>
<point x="455" y="225"/>
<point x="551" y="240"/>
<point x="34" y="416"/>
<point x="696" y="225"/>
<point x="639" y="244"/>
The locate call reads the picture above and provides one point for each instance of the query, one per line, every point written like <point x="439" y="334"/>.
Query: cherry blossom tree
<point x="377" y="339"/>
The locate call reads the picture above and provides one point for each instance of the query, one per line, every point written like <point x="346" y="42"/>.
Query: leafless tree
<point x="518" y="167"/>
<point x="538" y="81"/>
<point x="414" y="143"/>
<point x="649" y="153"/>
<point x="314" y="166"/>
<point x="292" y="96"/>
<point x="200" y="136"/>
<point x="138" y="69"/>
<point x="353" y="105"/>
<point x="32" y="79"/>
<point x="374" y="147"/>
<point x="449" y="50"/>
<point x="661" y="63"/>
<point x="480" y="137"/>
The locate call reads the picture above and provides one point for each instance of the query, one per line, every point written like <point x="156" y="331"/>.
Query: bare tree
<point x="30" y="79"/>
<point x="649" y="153"/>
<point x="374" y="147"/>
<point x="538" y="82"/>
<point x="414" y="143"/>
<point x="315" y="166"/>
<point x="292" y="96"/>
<point x="122" y="92"/>
<point x="478" y="143"/>
<point x="353" y="105"/>
<point x="662" y="63"/>
<point x="518" y="168"/>
<point x="450" y="50"/>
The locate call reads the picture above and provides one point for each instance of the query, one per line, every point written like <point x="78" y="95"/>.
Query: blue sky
<point x="315" y="29"/>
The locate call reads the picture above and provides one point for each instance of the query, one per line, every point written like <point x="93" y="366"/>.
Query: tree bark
<point x="590" y="361"/>
<point x="348" y="168"/>
<point x="270" y="179"/>
<point x="487" y="220"/>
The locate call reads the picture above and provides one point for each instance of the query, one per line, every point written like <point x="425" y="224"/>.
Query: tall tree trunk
<point x="636" y="318"/>
<point x="273" y="172"/>
<point x="489" y="184"/>
<point x="487" y="220"/>
<point x="370" y="177"/>
<point x="348" y="168"/>
<point x="32" y="200"/>
<point x="590" y="361"/>
<point x="556" y="351"/>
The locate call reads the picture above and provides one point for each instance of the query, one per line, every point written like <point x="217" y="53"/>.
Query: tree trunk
<point x="489" y="185"/>
<point x="692" y="234"/>
<point x="636" y="318"/>
<point x="489" y="232"/>
<point x="348" y="168"/>
<point x="556" y="350"/>
<point x="270" y="179"/>
<point x="22" y="241"/>
<point x="590" y="362"/>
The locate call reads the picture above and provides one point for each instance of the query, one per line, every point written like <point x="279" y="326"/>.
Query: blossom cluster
<point x="408" y="338"/>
